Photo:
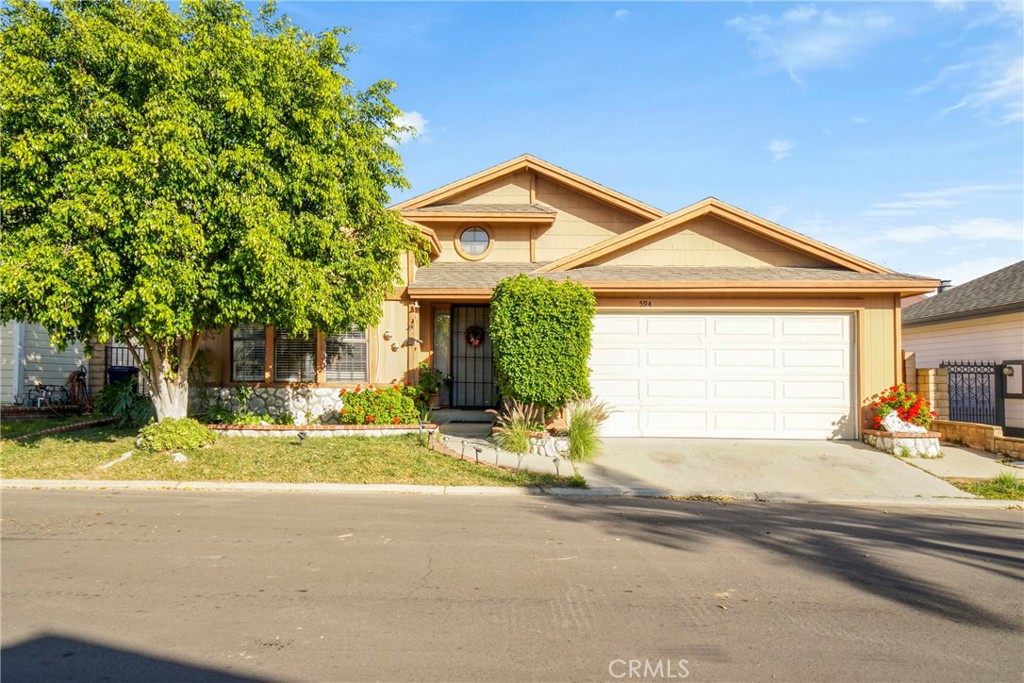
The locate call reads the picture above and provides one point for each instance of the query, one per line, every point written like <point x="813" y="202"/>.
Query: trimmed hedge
<point x="540" y="331"/>
<point x="382" y="405"/>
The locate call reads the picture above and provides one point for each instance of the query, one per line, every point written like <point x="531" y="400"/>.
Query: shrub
<point x="382" y="405"/>
<point x="172" y="434"/>
<point x="540" y="331"/>
<point x="909" y="406"/>
<point x="515" y="421"/>
<point x="585" y="417"/>
<point x="122" y="400"/>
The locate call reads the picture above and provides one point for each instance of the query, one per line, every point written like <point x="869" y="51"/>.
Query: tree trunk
<point x="167" y="367"/>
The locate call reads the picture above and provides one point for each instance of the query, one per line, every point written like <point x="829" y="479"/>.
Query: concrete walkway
<point x="958" y="462"/>
<point x="467" y="438"/>
<point x="766" y="470"/>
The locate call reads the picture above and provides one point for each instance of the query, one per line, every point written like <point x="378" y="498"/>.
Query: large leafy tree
<point x="166" y="173"/>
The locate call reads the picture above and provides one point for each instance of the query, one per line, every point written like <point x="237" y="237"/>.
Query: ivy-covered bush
<point x="909" y="406"/>
<point x="540" y="332"/>
<point x="172" y="434"/>
<point x="392" y="404"/>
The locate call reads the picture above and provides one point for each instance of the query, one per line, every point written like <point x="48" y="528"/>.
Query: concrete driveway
<point x="824" y="471"/>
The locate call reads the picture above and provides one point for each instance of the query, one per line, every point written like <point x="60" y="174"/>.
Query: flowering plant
<point x="908" y="405"/>
<point x="391" y="404"/>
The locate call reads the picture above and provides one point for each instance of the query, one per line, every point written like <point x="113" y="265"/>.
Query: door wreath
<point x="474" y="336"/>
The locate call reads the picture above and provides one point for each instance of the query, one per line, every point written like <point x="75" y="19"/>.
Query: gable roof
<point x="527" y="162"/>
<point x="719" y="209"/>
<point x="997" y="292"/>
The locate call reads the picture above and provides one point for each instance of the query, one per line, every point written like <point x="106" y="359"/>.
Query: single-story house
<point x="27" y="358"/>
<point x="711" y="321"/>
<point x="978" y="321"/>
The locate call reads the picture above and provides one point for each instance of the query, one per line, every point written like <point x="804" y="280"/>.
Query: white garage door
<point x="725" y="375"/>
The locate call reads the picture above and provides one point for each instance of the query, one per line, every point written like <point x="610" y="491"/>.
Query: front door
<point x="472" y="359"/>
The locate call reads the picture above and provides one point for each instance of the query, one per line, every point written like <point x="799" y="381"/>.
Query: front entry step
<point x="452" y="416"/>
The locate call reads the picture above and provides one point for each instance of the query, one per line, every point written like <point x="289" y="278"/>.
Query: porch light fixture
<point x="1008" y="371"/>
<point x="388" y="335"/>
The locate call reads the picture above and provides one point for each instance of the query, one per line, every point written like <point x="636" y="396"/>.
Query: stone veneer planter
<point x="322" y="430"/>
<point x="921" y="445"/>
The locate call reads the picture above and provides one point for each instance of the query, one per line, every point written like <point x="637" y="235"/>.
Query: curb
<point x="507" y="491"/>
<point x="246" y="486"/>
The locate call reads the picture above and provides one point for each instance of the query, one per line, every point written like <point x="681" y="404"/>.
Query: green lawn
<point x="1004" y="487"/>
<point x="10" y="429"/>
<point x="351" y="460"/>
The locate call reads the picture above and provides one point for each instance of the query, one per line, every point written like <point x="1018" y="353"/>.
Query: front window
<point x="474" y="241"/>
<point x="248" y="353"/>
<point x="294" y="358"/>
<point x="346" y="357"/>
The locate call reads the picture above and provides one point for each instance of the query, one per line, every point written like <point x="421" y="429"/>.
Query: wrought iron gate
<point x="975" y="392"/>
<point x="472" y="358"/>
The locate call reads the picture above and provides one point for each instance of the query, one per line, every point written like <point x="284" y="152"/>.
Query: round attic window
<point x="474" y="241"/>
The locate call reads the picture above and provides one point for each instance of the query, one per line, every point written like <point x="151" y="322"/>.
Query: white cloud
<point x="780" y="148"/>
<point x="620" y="14"/>
<point x="416" y="125"/>
<point x="859" y="120"/>
<point x="974" y="229"/>
<point x="966" y="271"/>
<point x="949" y="5"/>
<point x="1014" y="8"/>
<point x="805" y="38"/>
<point x="998" y="93"/>
<point x="910" y="203"/>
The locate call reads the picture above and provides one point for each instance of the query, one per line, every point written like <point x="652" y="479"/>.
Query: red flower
<point x="408" y="382"/>
<point x="343" y="411"/>
<point x="395" y="420"/>
<point x="370" y="418"/>
<point x="344" y="391"/>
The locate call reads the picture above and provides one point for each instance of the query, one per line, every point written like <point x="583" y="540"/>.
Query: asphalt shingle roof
<point x="1000" y="290"/>
<point x="487" y="275"/>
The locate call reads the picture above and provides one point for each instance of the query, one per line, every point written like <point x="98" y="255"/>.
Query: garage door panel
<point x="622" y="423"/>
<point x="743" y="389"/>
<point x="833" y="424"/>
<point x="656" y="422"/>
<point x="617" y="391"/>
<point x="831" y="391"/>
<point x="734" y="423"/>
<point x="816" y="327"/>
<point x="660" y="359"/>
<point x="742" y="326"/>
<point x="743" y="358"/>
<point x="818" y="359"/>
<point x="673" y="326"/>
<point x="661" y="390"/>
<point x="725" y="375"/>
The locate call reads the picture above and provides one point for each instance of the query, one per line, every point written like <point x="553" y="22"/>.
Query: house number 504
<point x="645" y="303"/>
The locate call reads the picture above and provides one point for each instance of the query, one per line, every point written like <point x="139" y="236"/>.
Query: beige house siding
<point x="511" y="241"/>
<point x="993" y="338"/>
<point x="40" y="362"/>
<point x="582" y="221"/>
<point x="709" y="241"/>
<point x="510" y="189"/>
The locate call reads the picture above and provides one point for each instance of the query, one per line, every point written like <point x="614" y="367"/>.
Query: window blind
<point x="294" y="358"/>
<point x="248" y="353"/>
<point x="346" y="357"/>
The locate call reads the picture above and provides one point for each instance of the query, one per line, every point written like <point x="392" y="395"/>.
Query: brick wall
<point x="933" y="384"/>
<point x="985" y="437"/>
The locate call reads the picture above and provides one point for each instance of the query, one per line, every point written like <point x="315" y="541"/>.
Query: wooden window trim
<point x="458" y="241"/>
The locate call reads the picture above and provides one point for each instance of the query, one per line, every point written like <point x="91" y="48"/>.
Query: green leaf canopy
<point x="170" y="172"/>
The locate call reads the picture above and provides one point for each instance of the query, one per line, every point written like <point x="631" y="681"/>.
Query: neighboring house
<point x="981" y="320"/>
<point x="27" y="359"/>
<point x="711" y="321"/>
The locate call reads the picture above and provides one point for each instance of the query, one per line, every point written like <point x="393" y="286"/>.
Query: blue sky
<point x="891" y="130"/>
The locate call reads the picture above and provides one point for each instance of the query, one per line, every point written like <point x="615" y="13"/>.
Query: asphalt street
<point x="205" y="586"/>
